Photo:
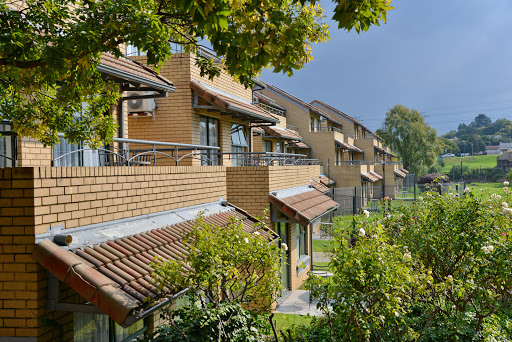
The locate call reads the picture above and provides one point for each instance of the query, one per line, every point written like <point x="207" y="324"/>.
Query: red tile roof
<point x="304" y="207"/>
<point x="347" y="146"/>
<point x="230" y="104"/>
<point x="131" y="70"/>
<point x="400" y="173"/>
<point x="116" y="275"/>
<point x="282" y="133"/>
<point x="299" y="144"/>
<point x="319" y="186"/>
<point x="371" y="176"/>
<point x="326" y="180"/>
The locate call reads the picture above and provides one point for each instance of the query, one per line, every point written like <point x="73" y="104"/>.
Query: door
<point x="282" y="231"/>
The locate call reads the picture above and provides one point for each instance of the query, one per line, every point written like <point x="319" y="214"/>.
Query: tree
<point x="49" y="50"/>
<point x="407" y="133"/>
<point x="448" y="146"/>
<point x="481" y="120"/>
<point x="232" y="279"/>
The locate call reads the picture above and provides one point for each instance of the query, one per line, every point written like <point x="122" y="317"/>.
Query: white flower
<point x="449" y="277"/>
<point x="504" y="205"/>
<point x="374" y="236"/>
<point x="451" y="194"/>
<point x="420" y="199"/>
<point x="256" y="233"/>
<point x="408" y="255"/>
<point x="506" y="183"/>
<point x="284" y="246"/>
<point x="495" y="196"/>
<point x="506" y="211"/>
<point x="487" y="249"/>
<point x="246" y="240"/>
<point x="388" y="216"/>
<point x="366" y="213"/>
<point x="466" y="190"/>
<point x="362" y="232"/>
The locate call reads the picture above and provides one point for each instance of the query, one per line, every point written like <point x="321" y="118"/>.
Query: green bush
<point x="439" y="270"/>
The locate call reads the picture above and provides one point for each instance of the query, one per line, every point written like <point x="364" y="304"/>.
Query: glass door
<point x="209" y="136"/>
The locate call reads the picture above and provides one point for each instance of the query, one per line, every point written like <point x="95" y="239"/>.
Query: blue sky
<point x="449" y="59"/>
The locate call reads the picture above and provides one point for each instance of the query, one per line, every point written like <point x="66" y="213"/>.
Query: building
<point x="79" y="226"/>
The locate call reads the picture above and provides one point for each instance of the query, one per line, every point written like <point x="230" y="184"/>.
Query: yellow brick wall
<point x="32" y="153"/>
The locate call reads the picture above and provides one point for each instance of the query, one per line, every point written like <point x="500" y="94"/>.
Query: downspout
<point x="120" y="118"/>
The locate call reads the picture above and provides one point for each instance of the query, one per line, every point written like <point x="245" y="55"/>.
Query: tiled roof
<point x="326" y="180"/>
<point x="379" y="149"/>
<point x="400" y="173"/>
<point x="371" y="176"/>
<point x="343" y="115"/>
<point x="116" y="275"/>
<point x="282" y="133"/>
<point x="347" y="146"/>
<point x="319" y="186"/>
<point x="404" y="171"/>
<point x="228" y="103"/>
<point x="302" y="103"/>
<point x="304" y="207"/>
<point x="299" y="144"/>
<point x="133" y="71"/>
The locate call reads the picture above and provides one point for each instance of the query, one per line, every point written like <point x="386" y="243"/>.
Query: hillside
<point x="474" y="162"/>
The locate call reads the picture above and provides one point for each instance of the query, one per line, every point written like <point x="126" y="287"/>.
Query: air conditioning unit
<point x="141" y="106"/>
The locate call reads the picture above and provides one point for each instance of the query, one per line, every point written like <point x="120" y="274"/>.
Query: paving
<point x="297" y="303"/>
<point x="321" y="257"/>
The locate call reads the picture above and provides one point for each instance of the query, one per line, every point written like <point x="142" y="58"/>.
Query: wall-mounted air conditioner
<point x="141" y="106"/>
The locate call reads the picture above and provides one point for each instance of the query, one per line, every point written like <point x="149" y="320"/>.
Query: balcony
<point x="330" y="129"/>
<point x="165" y="153"/>
<point x="353" y="162"/>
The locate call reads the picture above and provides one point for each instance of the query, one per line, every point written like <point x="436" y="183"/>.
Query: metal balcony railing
<point x="390" y="162"/>
<point x="330" y="129"/>
<point x="353" y="162"/>
<point x="160" y="151"/>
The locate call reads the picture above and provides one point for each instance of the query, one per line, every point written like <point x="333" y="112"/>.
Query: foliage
<point x="49" y="50"/>
<point x="448" y="146"/>
<point x="201" y="324"/>
<point x="407" y="133"/>
<point x="434" y="178"/>
<point x="436" y="271"/>
<point x="232" y="278"/>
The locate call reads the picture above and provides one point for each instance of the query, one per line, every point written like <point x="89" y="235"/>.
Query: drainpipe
<point x="120" y="118"/>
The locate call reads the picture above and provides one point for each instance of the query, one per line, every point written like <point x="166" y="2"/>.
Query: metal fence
<point x="354" y="200"/>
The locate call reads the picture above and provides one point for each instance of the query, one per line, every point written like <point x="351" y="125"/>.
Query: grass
<point x="474" y="162"/>
<point x="321" y="246"/>
<point x="485" y="190"/>
<point x="285" y="321"/>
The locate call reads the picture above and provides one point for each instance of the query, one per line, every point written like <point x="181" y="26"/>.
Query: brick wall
<point x="32" y="153"/>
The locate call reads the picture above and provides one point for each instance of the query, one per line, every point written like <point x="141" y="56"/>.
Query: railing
<point x="266" y="159"/>
<point x="330" y="129"/>
<point x="390" y="163"/>
<point x="271" y="109"/>
<point x="353" y="162"/>
<point x="208" y="155"/>
<point x="139" y="157"/>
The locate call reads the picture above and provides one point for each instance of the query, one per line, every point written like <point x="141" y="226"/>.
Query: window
<point x="301" y="241"/>
<point x="317" y="125"/>
<point x="8" y="151"/>
<point x="339" y="156"/>
<point x="279" y="147"/>
<point x="268" y="146"/>
<point x="209" y="136"/>
<point x="312" y="124"/>
<point x="100" y="328"/>
<point x="238" y="143"/>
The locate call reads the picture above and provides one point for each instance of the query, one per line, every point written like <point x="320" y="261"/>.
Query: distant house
<point x="494" y="149"/>
<point x="505" y="160"/>
<point x="504" y="147"/>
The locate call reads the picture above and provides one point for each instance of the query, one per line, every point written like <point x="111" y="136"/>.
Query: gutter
<point x="134" y="78"/>
<point x="247" y="112"/>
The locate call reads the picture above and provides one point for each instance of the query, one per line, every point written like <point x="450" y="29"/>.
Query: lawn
<point x="485" y="190"/>
<point x="474" y="162"/>
<point x="321" y="246"/>
<point x="285" y="321"/>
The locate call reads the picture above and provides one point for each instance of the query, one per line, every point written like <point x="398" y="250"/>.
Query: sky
<point x="449" y="59"/>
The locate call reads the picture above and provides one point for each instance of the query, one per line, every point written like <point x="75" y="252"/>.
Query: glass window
<point x="312" y="123"/>
<point x="301" y="241"/>
<point x="317" y="125"/>
<point x="268" y="145"/>
<point x="238" y="144"/>
<point x="209" y="136"/>
<point x="279" y="147"/>
<point x="100" y="328"/>
<point x="7" y="145"/>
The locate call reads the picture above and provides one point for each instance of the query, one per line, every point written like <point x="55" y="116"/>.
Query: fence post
<point x="354" y="202"/>
<point x="414" y="186"/>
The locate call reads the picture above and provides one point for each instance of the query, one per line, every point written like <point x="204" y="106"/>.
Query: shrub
<point x="434" y="178"/>
<point x="439" y="270"/>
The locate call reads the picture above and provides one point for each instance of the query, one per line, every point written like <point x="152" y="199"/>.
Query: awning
<point x="347" y="146"/>
<point x="282" y="133"/>
<point x="299" y="144"/>
<point x="404" y="171"/>
<point x="391" y="154"/>
<point x="303" y="204"/>
<point x="134" y="73"/>
<point x="326" y="180"/>
<point x="319" y="186"/>
<point x="379" y="149"/>
<point x="114" y="274"/>
<point x="400" y="173"/>
<point x="371" y="176"/>
<point x="230" y="104"/>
